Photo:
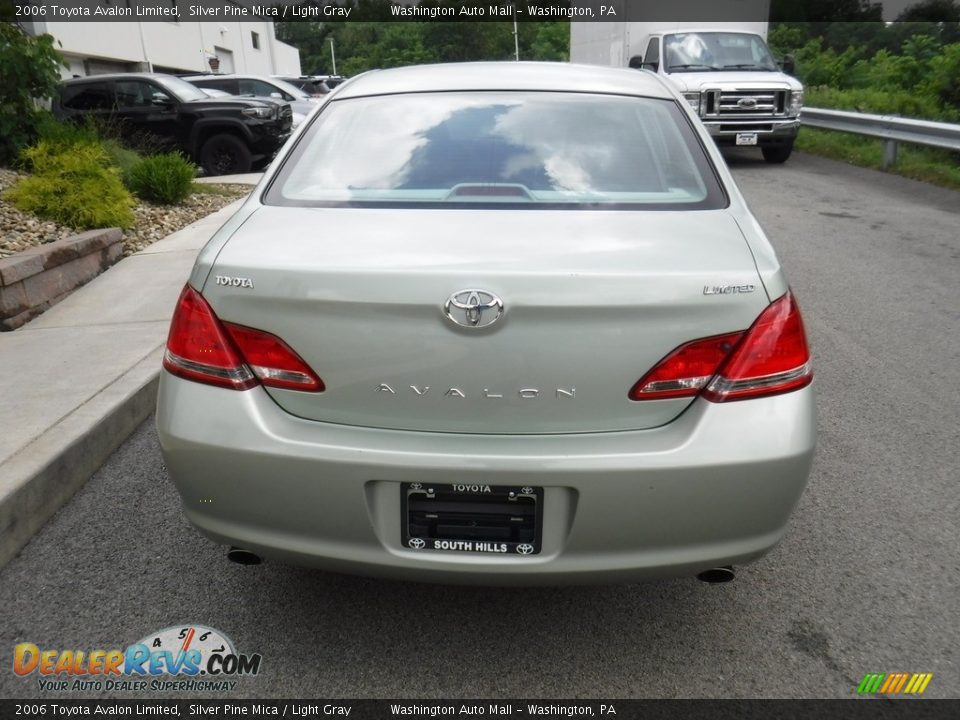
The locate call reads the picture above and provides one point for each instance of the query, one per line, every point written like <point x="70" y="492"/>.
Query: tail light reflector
<point x="686" y="370"/>
<point x="771" y="357"/>
<point x="273" y="361"/>
<point x="205" y="350"/>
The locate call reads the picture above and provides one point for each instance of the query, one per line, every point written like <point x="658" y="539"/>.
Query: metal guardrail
<point x="891" y="128"/>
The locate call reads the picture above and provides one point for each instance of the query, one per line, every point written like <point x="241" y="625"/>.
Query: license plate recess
<point x="471" y="518"/>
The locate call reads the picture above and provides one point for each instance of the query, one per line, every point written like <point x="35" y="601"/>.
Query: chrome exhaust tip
<point x="243" y="557"/>
<point x="713" y="576"/>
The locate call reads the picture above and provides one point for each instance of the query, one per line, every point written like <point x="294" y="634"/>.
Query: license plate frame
<point x="416" y="499"/>
<point x="747" y="138"/>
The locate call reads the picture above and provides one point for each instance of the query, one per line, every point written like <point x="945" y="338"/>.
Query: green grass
<point x="932" y="165"/>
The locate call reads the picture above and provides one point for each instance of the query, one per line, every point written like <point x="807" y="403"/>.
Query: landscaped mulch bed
<point x="19" y="230"/>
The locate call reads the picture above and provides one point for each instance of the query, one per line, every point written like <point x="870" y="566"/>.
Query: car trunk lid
<point x="591" y="301"/>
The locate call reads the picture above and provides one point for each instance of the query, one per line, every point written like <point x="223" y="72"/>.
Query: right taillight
<point x="773" y="357"/>
<point x="202" y="348"/>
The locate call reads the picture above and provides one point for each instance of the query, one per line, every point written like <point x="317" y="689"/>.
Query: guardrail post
<point x="889" y="153"/>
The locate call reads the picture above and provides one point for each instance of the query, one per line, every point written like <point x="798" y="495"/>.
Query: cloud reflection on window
<point x="553" y="145"/>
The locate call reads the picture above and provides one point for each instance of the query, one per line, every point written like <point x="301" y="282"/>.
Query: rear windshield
<point x="492" y="149"/>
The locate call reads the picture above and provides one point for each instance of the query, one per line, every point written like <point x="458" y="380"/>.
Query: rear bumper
<point x="714" y="487"/>
<point x="769" y="132"/>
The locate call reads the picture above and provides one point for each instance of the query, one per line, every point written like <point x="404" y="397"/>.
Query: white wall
<point x="287" y="59"/>
<point x="184" y="46"/>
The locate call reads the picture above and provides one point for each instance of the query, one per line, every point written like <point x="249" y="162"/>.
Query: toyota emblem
<point x="473" y="308"/>
<point x="417" y="543"/>
<point x="525" y="548"/>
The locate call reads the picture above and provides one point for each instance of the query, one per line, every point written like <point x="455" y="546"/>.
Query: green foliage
<point x="928" y="164"/>
<point x="550" y="41"/>
<point x="122" y="158"/>
<point x="904" y="68"/>
<point x="881" y="102"/>
<point x="165" y="179"/>
<point x="64" y="134"/>
<point x="73" y="185"/>
<point x="785" y="38"/>
<point x="943" y="76"/>
<point x="818" y="66"/>
<point x="29" y="69"/>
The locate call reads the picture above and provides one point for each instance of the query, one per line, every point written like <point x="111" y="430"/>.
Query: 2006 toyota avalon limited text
<point x="492" y="323"/>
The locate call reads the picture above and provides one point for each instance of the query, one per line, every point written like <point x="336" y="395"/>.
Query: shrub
<point x="30" y="70"/>
<point x="65" y="134"/>
<point x="122" y="158"/>
<point x="163" y="178"/>
<point x="61" y="136"/>
<point x="73" y="185"/>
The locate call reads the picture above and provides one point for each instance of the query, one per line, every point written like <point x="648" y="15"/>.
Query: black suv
<point x="225" y="135"/>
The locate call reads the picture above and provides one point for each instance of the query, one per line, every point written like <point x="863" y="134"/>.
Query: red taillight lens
<point x="273" y="361"/>
<point x="198" y="348"/>
<point x="772" y="358"/>
<point x="686" y="370"/>
<point x="202" y="349"/>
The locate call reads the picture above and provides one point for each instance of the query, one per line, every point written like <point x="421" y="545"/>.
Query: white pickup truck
<point x="724" y="70"/>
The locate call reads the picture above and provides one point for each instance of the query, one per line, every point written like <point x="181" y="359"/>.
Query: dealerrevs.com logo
<point x="185" y="657"/>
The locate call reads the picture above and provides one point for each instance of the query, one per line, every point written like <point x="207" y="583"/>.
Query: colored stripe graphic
<point x="894" y="683"/>
<point x="870" y="683"/>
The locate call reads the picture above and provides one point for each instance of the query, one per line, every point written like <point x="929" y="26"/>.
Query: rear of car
<point x="492" y="324"/>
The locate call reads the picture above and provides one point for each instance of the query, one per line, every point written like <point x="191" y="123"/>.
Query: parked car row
<point x="313" y="85"/>
<point x="227" y="124"/>
<point x="257" y="86"/>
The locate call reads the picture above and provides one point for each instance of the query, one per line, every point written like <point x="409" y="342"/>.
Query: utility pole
<point x="333" y="57"/>
<point x="516" y="40"/>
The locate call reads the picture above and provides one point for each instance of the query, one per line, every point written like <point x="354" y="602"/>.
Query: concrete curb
<point x="80" y="378"/>
<point x="46" y="474"/>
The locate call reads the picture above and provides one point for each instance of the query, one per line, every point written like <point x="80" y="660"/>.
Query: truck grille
<point x="730" y="104"/>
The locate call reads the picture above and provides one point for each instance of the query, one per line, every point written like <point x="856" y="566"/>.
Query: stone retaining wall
<point x="33" y="280"/>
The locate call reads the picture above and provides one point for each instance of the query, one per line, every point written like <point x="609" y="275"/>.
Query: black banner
<point x="414" y="11"/>
<point x="375" y="709"/>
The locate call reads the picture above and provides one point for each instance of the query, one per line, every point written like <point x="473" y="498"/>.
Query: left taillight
<point x="202" y="348"/>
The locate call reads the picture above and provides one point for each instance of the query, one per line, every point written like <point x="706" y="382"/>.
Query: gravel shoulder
<point x="20" y="231"/>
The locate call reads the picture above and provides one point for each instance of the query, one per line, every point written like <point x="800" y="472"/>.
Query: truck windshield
<point x="713" y="51"/>
<point x="183" y="90"/>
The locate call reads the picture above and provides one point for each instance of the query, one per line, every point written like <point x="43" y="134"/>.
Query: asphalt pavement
<point x="866" y="579"/>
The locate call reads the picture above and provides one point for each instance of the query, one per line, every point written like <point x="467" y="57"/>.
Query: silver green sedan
<point x="502" y="323"/>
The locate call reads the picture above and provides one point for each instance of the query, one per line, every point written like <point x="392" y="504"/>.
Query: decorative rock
<point x="41" y="262"/>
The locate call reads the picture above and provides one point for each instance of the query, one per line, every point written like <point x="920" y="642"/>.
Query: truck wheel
<point x="225" y="155"/>
<point x="777" y="153"/>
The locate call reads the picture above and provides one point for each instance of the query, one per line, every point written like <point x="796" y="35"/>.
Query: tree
<point x="944" y="13"/>
<point x="29" y="71"/>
